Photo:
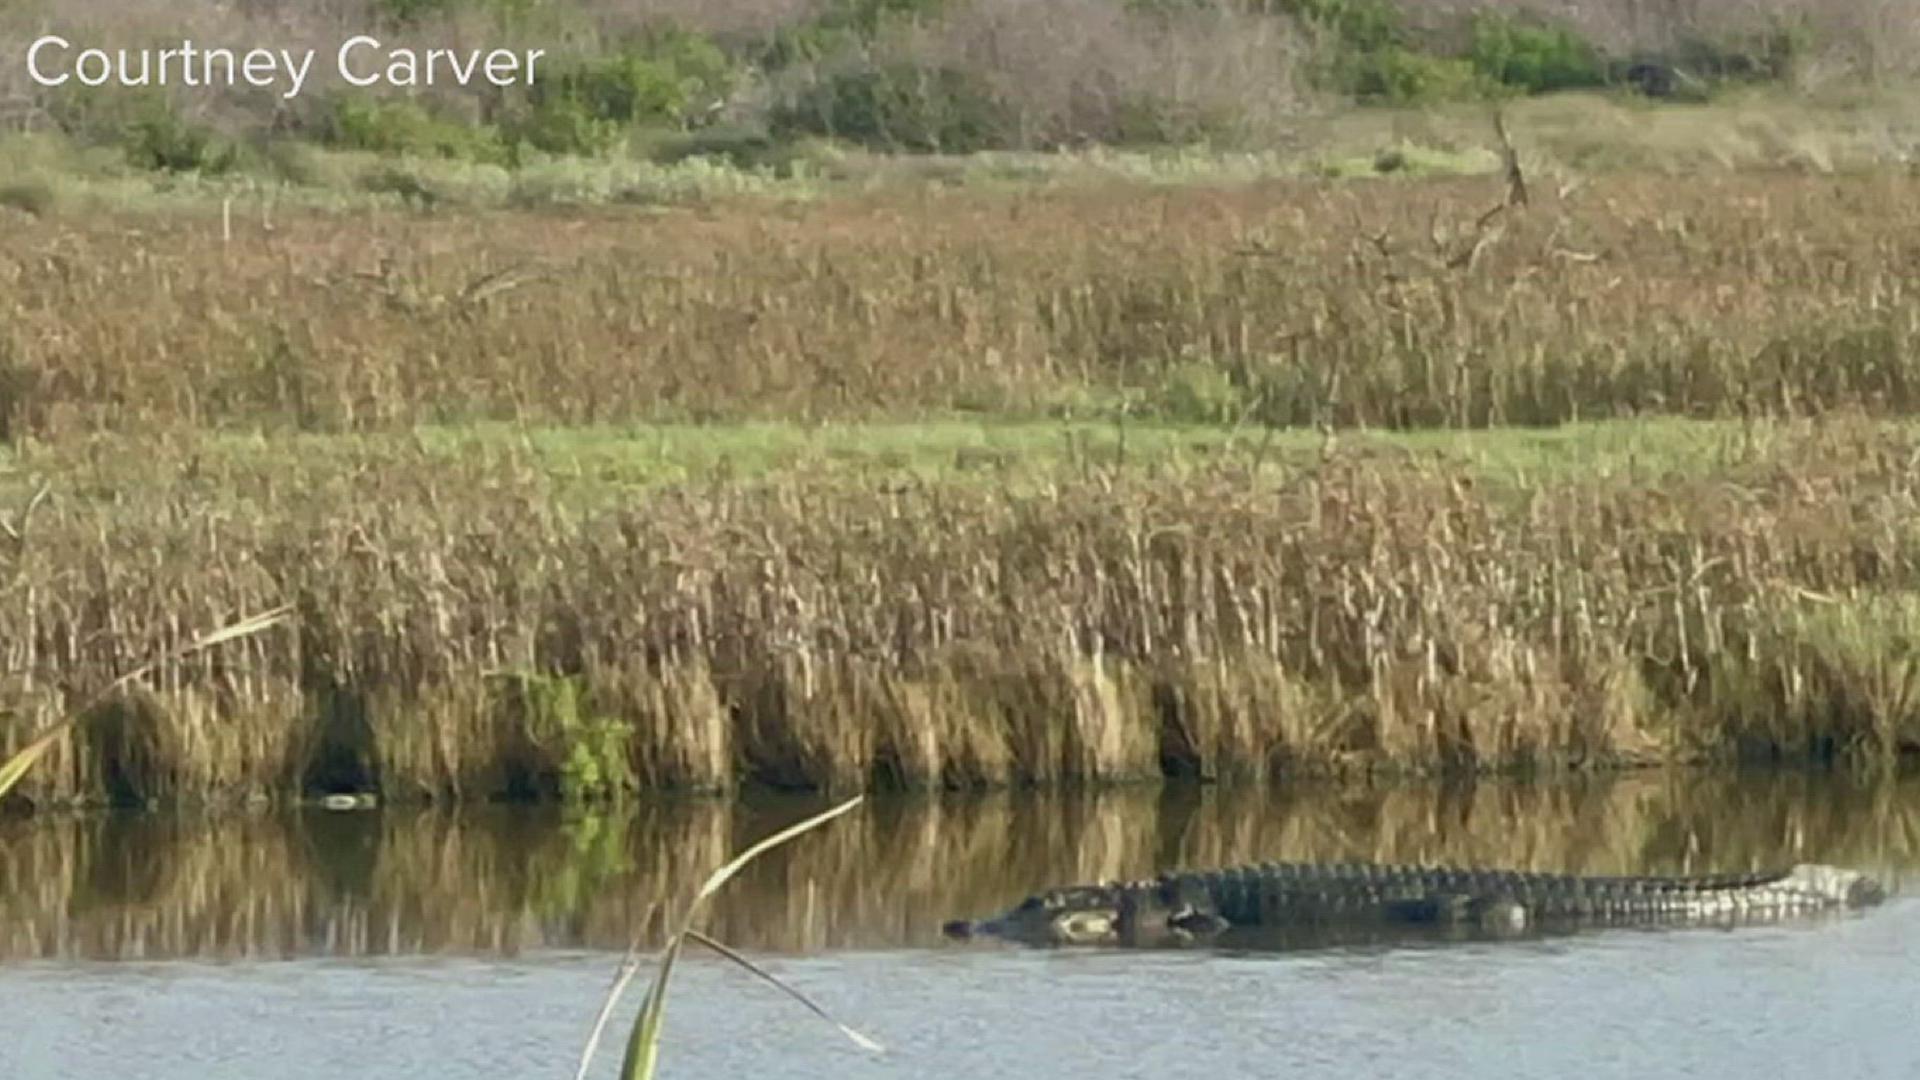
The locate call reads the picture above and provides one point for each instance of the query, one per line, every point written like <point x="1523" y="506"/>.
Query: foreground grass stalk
<point x="643" y="1043"/>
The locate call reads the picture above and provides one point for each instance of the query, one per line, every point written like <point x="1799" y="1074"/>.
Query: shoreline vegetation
<point x="475" y="625"/>
<point x="941" y="474"/>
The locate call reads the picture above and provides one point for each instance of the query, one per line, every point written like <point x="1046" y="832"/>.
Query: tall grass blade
<point x="862" y="1041"/>
<point x="246" y="627"/>
<point x="643" y="1044"/>
<point x="629" y="965"/>
<point x="17" y="765"/>
<point x="724" y="874"/>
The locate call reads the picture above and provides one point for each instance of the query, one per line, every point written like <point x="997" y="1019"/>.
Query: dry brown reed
<point x="474" y="627"/>
<point x="1399" y="304"/>
<point x="502" y="882"/>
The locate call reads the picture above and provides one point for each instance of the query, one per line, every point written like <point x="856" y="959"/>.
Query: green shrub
<point x="161" y="139"/>
<point x="1401" y="76"/>
<point x="1198" y="391"/>
<point x="94" y="115"/>
<point x="1534" y="58"/>
<point x="667" y="78"/>
<point x="145" y="126"/>
<point x="1766" y="54"/>
<point x="559" y="125"/>
<point x="841" y="25"/>
<point x="1141" y="120"/>
<point x="900" y="107"/>
<point x="587" y="752"/>
<point x="408" y="128"/>
<point x="30" y="196"/>
<point x="741" y="147"/>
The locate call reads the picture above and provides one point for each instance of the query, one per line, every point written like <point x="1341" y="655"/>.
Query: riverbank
<point x="484" y="619"/>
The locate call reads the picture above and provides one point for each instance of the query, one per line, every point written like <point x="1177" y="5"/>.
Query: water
<point x="408" y="944"/>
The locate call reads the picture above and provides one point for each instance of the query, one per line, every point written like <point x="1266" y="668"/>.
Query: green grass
<point x="595" y="465"/>
<point x="959" y="449"/>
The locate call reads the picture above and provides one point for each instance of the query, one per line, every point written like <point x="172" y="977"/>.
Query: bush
<point x="1769" y="54"/>
<point x="406" y="127"/>
<point x="900" y="107"/>
<point x="669" y="77"/>
<point x="1151" y="121"/>
<point x="740" y="147"/>
<point x="1536" y="59"/>
<point x="666" y="78"/>
<point x="30" y="196"/>
<point x="1372" y="58"/>
<point x="559" y="125"/>
<point x="841" y="24"/>
<point x="161" y="139"/>
<point x="145" y="126"/>
<point x="1401" y="76"/>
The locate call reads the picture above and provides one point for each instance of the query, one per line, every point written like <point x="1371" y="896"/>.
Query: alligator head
<point x="1161" y="911"/>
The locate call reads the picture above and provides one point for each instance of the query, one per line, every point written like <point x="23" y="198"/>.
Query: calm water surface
<point x="409" y="944"/>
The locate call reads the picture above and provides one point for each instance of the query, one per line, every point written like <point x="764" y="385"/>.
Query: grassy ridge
<point x="50" y="176"/>
<point x="485" y="623"/>
<point x="232" y="885"/>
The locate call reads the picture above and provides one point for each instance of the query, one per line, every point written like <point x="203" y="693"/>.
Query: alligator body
<point x="1302" y="902"/>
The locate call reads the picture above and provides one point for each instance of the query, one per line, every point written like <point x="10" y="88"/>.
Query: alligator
<point x="1370" y="901"/>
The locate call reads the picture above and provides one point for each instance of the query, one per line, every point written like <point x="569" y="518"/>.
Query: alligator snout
<point x="958" y="929"/>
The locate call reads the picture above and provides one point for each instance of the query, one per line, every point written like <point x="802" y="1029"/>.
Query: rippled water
<point x="411" y="944"/>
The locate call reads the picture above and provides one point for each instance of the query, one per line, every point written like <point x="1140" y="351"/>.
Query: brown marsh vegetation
<point x="1396" y="304"/>
<point x="488" y="622"/>
<point x="474" y="627"/>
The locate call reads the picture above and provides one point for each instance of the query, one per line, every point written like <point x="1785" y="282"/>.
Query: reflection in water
<point x="504" y="879"/>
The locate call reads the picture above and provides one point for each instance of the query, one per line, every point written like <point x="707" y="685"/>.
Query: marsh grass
<point x="934" y="488"/>
<point x="486" y="622"/>
<point x="1401" y="305"/>
<point x="126" y="720"/>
